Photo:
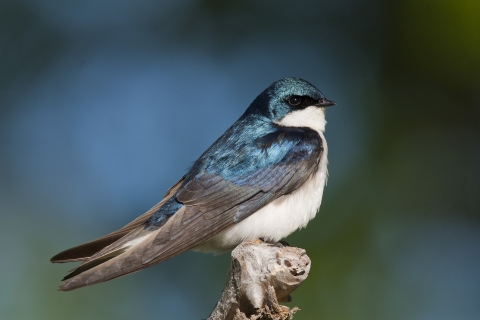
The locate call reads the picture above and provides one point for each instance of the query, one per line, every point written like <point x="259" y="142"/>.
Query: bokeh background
<point x="104" y="104"/>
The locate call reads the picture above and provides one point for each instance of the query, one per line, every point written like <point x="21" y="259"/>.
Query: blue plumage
<point x="254" y="143"/>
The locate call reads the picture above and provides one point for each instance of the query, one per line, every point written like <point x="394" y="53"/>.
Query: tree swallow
<point x="263" y="178"/>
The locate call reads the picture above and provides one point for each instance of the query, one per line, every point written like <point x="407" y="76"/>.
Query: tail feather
<point x="85" y="251"/>
<point x="143" y="248"/>
<point x="122" y="257"/>
<point x="92" y="264"/>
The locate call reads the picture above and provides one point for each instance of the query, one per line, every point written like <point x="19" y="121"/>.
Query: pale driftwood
<point x="260" y="276"/>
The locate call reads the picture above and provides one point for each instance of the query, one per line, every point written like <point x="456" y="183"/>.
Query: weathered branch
<point x="260" y="276"/>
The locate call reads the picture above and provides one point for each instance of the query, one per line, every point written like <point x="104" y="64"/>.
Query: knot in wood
<point x="261" y="275"/>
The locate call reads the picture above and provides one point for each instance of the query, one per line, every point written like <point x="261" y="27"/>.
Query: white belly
<point x="279" y="218"/>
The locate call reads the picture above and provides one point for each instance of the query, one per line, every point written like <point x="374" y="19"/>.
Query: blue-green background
<point x="104" y="104"/>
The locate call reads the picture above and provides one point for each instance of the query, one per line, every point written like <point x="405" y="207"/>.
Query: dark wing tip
<point x="92" y="264"/>
<point x="57" y="259"/>
<point x="66" y="256"/>
<point x="84" y="251"/>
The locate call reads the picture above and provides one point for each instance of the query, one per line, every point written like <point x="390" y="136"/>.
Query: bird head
<point x="292" y="102"/>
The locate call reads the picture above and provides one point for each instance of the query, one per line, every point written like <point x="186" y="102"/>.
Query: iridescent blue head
<point x="287" y="96"/>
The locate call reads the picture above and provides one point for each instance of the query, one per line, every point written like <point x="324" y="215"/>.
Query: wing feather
<point x="214" y="196"/>
<point x="85" y="251"/>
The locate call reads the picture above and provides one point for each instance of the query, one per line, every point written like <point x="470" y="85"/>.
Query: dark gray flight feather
<point x="85" y="251"/>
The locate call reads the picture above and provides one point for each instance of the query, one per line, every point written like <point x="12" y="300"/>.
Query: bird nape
<point x="263" y="178"/>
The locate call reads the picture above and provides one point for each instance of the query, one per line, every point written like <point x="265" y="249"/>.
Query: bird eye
<point x="294" y="101"/>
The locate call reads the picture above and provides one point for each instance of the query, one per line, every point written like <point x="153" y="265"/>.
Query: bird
<point x="262" y="179"/>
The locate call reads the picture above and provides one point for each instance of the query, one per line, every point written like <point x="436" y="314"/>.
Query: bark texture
<point x="261" y="275"/>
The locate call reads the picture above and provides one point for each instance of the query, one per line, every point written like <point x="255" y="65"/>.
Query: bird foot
<point x="280" y="244"/>
<point x="283" y="243"/>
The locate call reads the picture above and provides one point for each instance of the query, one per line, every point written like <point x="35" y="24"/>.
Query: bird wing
<point x="216" y="195"/>
<point x="86" y="250"/>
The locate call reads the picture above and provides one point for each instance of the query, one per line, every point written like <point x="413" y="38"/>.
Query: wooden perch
<point x="260" y="276"/>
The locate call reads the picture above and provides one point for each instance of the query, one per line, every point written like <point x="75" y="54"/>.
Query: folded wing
<point x="213" y="196"/>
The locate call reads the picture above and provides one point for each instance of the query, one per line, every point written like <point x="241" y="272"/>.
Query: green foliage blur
<point x="398" y="233"/>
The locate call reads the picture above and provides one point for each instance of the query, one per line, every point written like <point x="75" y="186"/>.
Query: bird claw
<point x="280" y="244"/>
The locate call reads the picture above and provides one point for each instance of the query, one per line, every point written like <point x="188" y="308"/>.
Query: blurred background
<point x="105" y="104"/>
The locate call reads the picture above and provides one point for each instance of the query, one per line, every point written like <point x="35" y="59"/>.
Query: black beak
<point x="325" y="103"/>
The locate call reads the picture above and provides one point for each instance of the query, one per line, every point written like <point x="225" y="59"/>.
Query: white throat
<point x="311" y="117"/>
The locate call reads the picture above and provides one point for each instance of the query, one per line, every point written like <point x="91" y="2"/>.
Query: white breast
<point x="288" y="213"/>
